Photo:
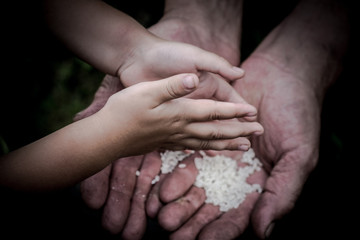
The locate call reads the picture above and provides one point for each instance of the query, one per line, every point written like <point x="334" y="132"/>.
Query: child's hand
<point x="152" y="115"/>
<point x="158" y="59"/>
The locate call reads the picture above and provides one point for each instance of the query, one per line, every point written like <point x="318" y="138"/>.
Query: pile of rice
<point x="171" y="159"/>
<point x="221" y="177"/>
<point x="224" y="181"/>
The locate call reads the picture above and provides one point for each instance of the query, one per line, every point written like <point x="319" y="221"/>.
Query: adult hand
<point x="163" y="59"/>
<point x="289" y="112"/>
<point x="95" y="189"/>
<point x="174" y="28"/>
<point x="286" y="80"/>
<point x="169" y="121"/>
<point x="111" y="188"/>
<point x="186" y="212"/>
<point x="115" y="195"/>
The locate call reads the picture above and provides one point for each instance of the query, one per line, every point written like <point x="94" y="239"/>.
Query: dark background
<point x="43" y="85"/>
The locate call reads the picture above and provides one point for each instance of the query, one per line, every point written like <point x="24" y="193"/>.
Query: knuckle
<point x="204" y="144"/>
<point x="215" y="114"/>
<point x="125" y="192"/>
<point x="216" y="134"/>
<point x="171" y="90"/>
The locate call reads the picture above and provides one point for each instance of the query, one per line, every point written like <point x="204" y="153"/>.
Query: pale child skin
<point x="126" y="127"/>
<point x="116" y="44"/>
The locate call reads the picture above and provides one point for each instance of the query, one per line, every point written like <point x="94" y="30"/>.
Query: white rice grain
<point x="182" y="165"/>
<point x="170" y="160"/>
<point x="155" y="180"/>
<point x="222" y="179"/>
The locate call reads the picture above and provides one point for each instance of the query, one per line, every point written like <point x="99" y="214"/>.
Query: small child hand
<point x="152" y="115"/>
<point x="159" y="59"/>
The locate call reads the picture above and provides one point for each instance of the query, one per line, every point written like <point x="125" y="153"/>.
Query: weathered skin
<point x="286" y="80"/>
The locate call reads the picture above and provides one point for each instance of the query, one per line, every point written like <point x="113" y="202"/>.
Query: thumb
<point x="281" y="191"/>
<point x="176" y="86"/>
<point x="211" y="62"/>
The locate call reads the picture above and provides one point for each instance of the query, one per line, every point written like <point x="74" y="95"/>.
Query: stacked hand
<point x="117" y="192"/>
<point x="287" y="91"/>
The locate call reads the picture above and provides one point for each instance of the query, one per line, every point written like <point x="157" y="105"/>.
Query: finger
<point x="207" y="110"/>
<point x="136" y="224"/>
<point x="173" y="87"/>
<point x="241" y="143"/>
<point x="214" y="86"/>
<point x="281" y="190"/>
<point x="108" y="87"/>
<point x="94" y="189"/>
<point x="179" y="181"/>
<point x="122" y="183"/>
<point x="211" y="62"/>
<point x="223" y="129"/>
<point x="233" y="223"/>
<point x="206" y="214"/>
<point x="153" y="203"/>
<point x="176" y="213"/>
<point x="224" y="91"/>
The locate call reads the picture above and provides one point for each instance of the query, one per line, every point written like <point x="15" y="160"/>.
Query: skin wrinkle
<point x="194" y="225"/>
<point x="190" y="205"/>
<point x="283" y="143"/>
<point x="283" y="67"/>
<point x="95" y="197"/>
<point x="117" y="180"/>
<point x="120" y="190"/>
<point x="288" y="167"/>
<point x="216" y="8"/>
<point x="280" y="155"/>
<point x="286" y="142"/>
<point x="187" y="32"/>
<point x="206" y="218"/>
<point x="225" y="233"/>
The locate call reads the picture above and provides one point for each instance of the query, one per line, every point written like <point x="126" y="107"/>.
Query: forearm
<point x="60" y="159"/>
<point x="313" y="38"/>
<point x="217" y="22"/>
<point x="225" y="15"/>
<point x="95" y="31"/>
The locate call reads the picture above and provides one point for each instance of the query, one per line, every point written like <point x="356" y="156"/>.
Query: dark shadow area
<point x="43" y="85"/>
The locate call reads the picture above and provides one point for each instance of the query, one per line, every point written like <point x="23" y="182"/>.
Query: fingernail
<point x="244" y="147"/>
<point x="189" y="82"/>
<point x="239" y="70"/>
<point x="252" y="114"/>
<point x="258" y="133"/>
<point x="269" y="230"/>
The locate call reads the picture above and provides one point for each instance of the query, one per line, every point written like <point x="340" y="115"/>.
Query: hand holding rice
<point x="224" y="181"/>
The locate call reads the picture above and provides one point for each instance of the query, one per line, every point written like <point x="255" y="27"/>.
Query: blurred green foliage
<point x="43" y="84"/>
<point x="74" y="85"/>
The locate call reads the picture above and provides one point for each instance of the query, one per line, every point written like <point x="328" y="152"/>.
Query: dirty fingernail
<point x="269" y="230"/>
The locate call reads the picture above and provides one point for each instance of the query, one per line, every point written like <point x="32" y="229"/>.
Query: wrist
<point x="109" y="133"/>
<point x="139" y="63"/>
<point x="138" y="43"/>
<point x="213" y="25"/>
<point x="311" y="44"/>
